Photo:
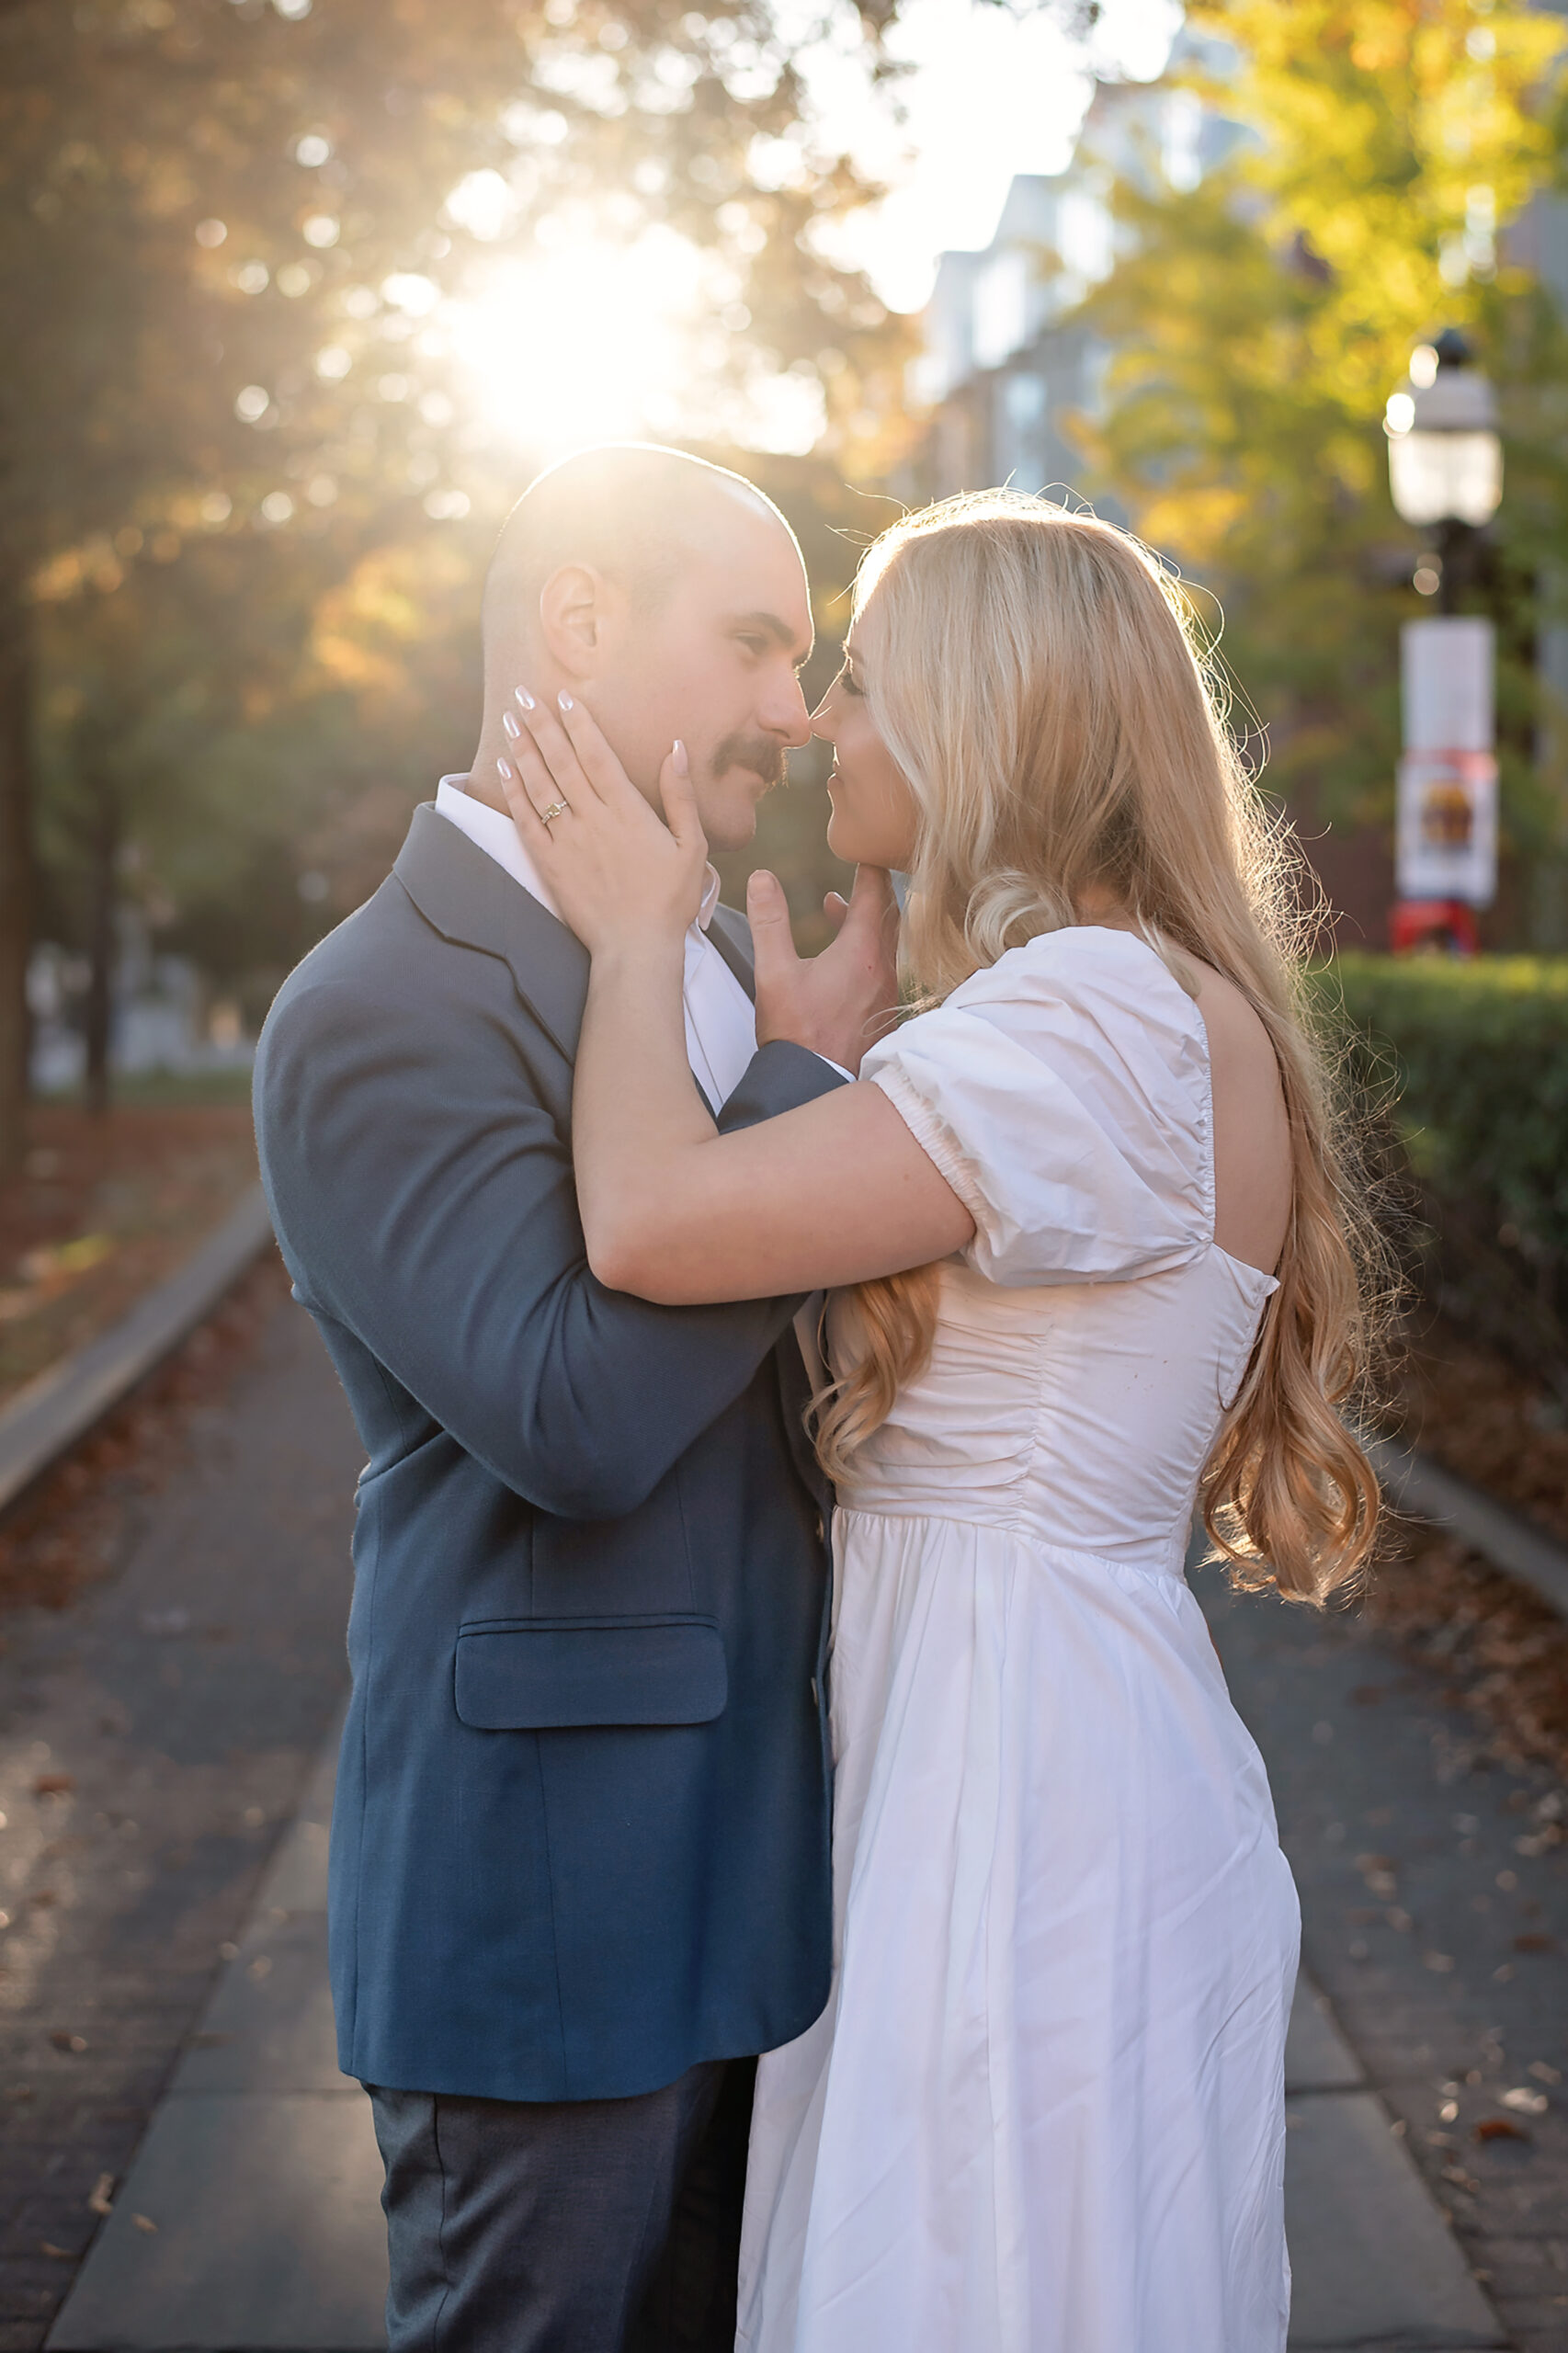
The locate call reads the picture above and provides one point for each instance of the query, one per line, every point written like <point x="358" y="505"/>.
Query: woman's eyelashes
<point x="848" y="681"/>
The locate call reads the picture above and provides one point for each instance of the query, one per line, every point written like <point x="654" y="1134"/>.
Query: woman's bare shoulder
<point x="1237" y="1038"/>
<point x="1252" y="1138"/>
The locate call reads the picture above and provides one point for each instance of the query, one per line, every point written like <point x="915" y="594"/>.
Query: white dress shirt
<point x="720" y="1023"/>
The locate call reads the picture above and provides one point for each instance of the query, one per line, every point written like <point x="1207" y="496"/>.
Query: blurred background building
<point x="1014" y="379"/>
<point x="1010" y="360"/>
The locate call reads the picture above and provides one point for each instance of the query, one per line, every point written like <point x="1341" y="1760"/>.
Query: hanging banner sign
<point x="1447" y="667"/>
<point x="1446" y="845"/>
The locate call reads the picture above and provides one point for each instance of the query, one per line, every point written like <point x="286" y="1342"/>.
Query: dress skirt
<point x="1043" y="2111"/>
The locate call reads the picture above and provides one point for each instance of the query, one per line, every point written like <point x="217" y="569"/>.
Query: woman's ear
<point x="571" y="616"/>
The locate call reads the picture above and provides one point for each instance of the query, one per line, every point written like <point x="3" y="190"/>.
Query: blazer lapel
<point x="465" y="896"/>
<point x="731" y="935"/>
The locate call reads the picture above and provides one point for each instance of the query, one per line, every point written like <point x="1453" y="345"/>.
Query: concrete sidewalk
<point x="250" y="2218"/>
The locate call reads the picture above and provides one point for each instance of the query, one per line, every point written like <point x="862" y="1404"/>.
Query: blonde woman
<point x="1089" y="1249"/>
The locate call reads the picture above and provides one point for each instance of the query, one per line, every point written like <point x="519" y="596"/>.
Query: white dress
<point x="1043" y="2111"/>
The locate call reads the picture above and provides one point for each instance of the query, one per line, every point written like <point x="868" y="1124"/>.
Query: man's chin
<point x="736" y="834"/>
<point x="729" y="815"/>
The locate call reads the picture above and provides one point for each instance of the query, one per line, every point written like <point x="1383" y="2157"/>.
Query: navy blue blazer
<point x="581" y="1836"/>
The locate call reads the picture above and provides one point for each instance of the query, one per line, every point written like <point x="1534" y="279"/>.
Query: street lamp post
<point x="1445" y="474"/>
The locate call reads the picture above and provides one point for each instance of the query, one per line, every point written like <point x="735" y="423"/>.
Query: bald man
<point x="579" y="1867"/>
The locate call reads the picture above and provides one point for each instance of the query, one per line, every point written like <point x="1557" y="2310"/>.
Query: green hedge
<point x="1467" y="1063"/>
<point x="1478" y="1054"/>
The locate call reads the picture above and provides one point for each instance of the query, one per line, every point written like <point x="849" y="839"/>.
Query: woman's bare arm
<point x="674" y="1211"/>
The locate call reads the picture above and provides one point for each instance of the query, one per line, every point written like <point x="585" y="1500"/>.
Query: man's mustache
<point x="763" y="755"/>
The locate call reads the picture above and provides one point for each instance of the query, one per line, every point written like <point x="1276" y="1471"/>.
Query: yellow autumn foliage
<point x="1259" y="321"/>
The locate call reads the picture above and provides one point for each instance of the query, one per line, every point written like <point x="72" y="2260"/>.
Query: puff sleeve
<point x="1063" y="1094"/>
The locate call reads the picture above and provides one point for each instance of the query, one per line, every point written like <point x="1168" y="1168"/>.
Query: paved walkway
<point x="154" y="1740"/>
<point x="163" y="2001"/>
<point x="249" y="2218"/>
<point x="1434" y="1891"/>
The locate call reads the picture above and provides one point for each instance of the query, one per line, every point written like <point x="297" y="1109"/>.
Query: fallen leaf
<point x="1534" y="1942"/>
<point x="1526" y="2102"/>
<point x="102" y="2197"/>
<point x="54" y="1785"/>
<point x="142" y="2223"/>
<point x="55" y="2254"/>
<point x="1499" y="2128"/>
<point x="165" y="1621"/>
<point x="64" y="2040"/>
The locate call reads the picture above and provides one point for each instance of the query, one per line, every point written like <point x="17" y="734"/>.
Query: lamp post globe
<point x="1445" y="458"/>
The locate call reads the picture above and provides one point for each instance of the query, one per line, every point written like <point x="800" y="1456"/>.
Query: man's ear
<point x="573" y="610"/>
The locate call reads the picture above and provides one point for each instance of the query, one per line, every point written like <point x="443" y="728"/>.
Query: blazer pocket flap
<point x="542" y="1674"/>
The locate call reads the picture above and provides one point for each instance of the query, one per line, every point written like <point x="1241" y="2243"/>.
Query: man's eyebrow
<point x="771" y="625"/>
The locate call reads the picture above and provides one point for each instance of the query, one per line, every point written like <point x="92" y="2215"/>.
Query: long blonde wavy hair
<point x="1039" y="680"/>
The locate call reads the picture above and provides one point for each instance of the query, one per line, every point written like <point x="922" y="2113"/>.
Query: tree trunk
<point x="16" y="866"/>
<point x="103" y="881"/>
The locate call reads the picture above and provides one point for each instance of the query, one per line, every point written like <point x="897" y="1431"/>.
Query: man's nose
<point x="789" y="718"/>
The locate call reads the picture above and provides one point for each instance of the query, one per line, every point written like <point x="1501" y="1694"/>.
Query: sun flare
<point x="587" y="340"/>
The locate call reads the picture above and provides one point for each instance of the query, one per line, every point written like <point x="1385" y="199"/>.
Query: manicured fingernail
<point x="564" y="699"/>
<point x="524" y="696"/>
<point x="504" y="768"/>
<point x="513" y="727"/>
<point x="677" y="754"/>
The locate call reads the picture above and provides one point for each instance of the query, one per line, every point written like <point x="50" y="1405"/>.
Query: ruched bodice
<point x="1079" y="1415"/>
<point x="1043" y="2112"/>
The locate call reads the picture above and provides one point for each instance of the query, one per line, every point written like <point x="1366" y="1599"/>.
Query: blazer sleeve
<point x="424" y="1197"/>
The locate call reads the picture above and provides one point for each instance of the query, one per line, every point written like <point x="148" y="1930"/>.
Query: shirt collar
<point x="492" y="831"/>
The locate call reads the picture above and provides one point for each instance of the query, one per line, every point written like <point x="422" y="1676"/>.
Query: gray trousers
<point x="572" y="2226"/>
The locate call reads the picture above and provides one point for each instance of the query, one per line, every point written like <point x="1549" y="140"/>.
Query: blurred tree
<point x="167" y="769"/>
<point x="1260" y="320"/>
<point x="230" y="235"/>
